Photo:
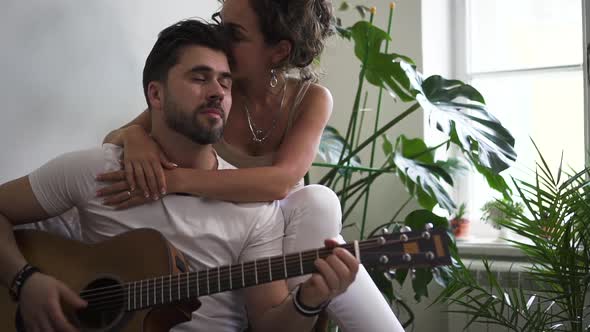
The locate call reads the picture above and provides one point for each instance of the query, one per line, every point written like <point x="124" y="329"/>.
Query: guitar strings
<point x="175" y="290"/>
<point x="119" y="290"/>
<point x="250" y="265"/>
<point x="113" y="296"/>
<point x="119" y="302"/>
<point x="291" y="260"/>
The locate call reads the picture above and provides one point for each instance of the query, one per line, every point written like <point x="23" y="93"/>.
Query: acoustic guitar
<point x="148" y="288"/>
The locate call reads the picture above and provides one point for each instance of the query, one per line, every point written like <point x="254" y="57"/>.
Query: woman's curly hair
<point x="305" y="23"/>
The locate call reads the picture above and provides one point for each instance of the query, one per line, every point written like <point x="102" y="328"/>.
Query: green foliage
<point x="331" y="146"/>
<point x="454" y="108"/>
<point x="460" y="211"/>
<point x="421" y="174"/>
<point x="555" y="225"/>
<point x="493" y="211"/>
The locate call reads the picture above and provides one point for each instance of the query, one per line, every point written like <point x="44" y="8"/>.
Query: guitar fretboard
<point x="168" y="289"/>
<point x="401" y="250"/>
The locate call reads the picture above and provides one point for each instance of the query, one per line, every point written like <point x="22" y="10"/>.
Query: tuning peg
<point x="385" y="231"/>
<point x="383" y="259"/>
<point x="426" y="235"/>
<point x="405" y="229"/>
<point x="390" y="274"/>
<point x="406" y="257"/>
<point x="429" y="226"/>
<point x="430" y="256"/>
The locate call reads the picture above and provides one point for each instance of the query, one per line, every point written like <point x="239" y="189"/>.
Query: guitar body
<point x="135" y="255"/>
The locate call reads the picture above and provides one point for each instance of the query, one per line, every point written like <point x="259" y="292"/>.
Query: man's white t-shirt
<point x="210" y="233"/>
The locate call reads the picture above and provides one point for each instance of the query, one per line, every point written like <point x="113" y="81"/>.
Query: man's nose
<point x="215" y="91"/>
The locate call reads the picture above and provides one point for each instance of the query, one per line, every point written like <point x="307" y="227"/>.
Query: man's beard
<point x="188" y="124"/>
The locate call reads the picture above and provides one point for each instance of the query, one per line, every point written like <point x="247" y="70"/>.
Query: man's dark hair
<point x="172" y="40"/>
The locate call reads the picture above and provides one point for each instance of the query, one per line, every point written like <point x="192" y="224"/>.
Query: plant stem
<point x="358" y="136"/>
<point x="429" y="150"/>
<point x="355" y="106"/>
<point x="355" y="112"/>
<point x="400" y="209"/>
<point x="353" y="168"/>
<point x="367" y="181"/>
<point x="375" y="127"/>
<point x="349" y="211"/>
<point x="360" y="182"/>
<point x="329" y="176"/>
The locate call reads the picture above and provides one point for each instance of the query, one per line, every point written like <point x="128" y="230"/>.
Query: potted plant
<point x="555" y="230"/>
<point x="454" y="108"/>
<point x="459" y="224"/>
<point x="499" y="211"/>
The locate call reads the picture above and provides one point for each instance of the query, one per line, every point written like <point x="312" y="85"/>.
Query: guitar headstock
<point x="407" y="249"/>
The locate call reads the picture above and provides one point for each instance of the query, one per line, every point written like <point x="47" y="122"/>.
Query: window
<point x="526" y="58"/>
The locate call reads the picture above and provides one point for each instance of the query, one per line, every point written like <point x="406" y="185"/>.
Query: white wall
<point x="71" y="70"/>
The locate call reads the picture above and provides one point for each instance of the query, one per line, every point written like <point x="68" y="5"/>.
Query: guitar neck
<point x="402" y="250"/>
<point x="168" y="289"/>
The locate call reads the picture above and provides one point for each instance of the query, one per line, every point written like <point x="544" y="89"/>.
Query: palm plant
<point x="555" y="231"/>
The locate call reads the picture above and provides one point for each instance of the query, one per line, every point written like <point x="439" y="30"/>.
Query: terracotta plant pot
<point x="460" y="227"/>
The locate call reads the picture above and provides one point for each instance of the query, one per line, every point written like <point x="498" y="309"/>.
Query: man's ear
<point x="155" y="93"/>
<point x="282" y="51"/>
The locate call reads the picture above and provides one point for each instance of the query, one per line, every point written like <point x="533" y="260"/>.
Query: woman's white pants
<point x="312" y="214"/>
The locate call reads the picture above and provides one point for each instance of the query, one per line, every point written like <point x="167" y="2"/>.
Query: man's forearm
<point x="11" y="259"/>
<point x="286" y="317"/>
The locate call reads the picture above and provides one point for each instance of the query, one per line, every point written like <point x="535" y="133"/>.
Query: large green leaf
<point x="451" y="106"/>
<point x="419" y="218"/>
<point x="423" y="177"/>
<point x="367" y="39"/>
<point x="494" y="180"/>
<point x="384" y="284"/>
<point x="331" y="146"/>
<point x="459" y="110"/>
<point x="381" y="69"/>
<point x="422" y="277"/>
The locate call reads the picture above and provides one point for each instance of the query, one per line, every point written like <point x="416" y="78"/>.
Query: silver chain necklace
<point x="259" y="136"/>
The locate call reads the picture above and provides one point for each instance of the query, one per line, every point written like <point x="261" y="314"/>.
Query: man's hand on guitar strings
<point x="335" y="273"/>
<point x="41" y="302"/>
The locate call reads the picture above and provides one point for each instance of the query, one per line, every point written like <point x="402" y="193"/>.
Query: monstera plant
<point x="452" y="107"/>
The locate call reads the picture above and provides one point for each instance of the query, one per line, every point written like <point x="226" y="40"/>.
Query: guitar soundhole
<point x="106" y="305"/>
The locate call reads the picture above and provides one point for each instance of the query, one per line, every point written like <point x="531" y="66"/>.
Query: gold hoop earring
<point x="273" y="79"/>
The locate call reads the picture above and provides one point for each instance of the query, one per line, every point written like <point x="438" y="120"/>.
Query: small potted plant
<point x="460" y="224"/>
<point x="498" y="211"/>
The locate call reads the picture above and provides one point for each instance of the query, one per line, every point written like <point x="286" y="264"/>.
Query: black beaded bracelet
<point x="306" y="310"/>
<point x="19" y="280"/>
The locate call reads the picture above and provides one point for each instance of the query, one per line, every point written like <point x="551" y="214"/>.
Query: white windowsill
<point x="487" y="247"/>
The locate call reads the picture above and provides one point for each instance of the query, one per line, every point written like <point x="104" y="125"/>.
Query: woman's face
<point x="252" y="55"/>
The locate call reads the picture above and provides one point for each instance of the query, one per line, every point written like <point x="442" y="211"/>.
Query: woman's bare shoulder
<point x="317" y="95"/>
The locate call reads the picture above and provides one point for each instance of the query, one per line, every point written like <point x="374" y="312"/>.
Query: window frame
<point x="461" y="69"/>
